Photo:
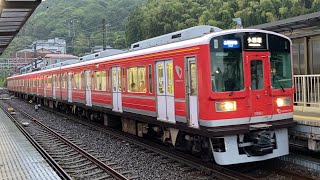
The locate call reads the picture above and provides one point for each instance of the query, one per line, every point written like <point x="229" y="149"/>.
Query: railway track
<point x="207" y="167"/>
<point x="70" y="159"/>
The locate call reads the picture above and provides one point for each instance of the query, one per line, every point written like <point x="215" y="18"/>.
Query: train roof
<point x="205" y="39"/>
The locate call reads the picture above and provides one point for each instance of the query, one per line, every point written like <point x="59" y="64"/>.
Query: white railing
<point x="307" y="91"/>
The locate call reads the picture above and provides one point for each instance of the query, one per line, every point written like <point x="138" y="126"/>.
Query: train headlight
<point x="284" y="101"/>
<point x="226" y="106"/>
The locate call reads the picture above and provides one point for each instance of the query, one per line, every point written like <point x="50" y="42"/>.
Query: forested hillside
<point x="80" y="21"/>
<point x="162" y="16"/>
<point x="77" y="21"/>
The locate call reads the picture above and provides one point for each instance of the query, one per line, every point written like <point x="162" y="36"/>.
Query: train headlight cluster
<point x="226" y="106"/>
<point x="284" y="101"/>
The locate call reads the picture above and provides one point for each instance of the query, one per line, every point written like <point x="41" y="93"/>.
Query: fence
<point x="307" y="92"/>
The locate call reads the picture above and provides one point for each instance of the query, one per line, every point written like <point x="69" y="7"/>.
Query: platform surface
<point x="307" y="118"/>
<point x="19" y="160"/>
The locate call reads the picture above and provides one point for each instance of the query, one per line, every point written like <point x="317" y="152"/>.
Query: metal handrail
<point x="307" y="90"/>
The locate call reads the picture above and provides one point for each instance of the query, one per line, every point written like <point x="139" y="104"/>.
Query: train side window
<point x="123" y="80"/>
<point x="81" y="80"/>
<point x="75" y="80"/>
<point x="97" y="80"/>
<point x="137" y="79"/>
<point x="57" y="81"/>
<point x="160" y="78"/>
<point x="103" y="81"/>
<point x="170" y="78"/>
<point x="114" y="79"/>
<point x="150" y="78"/>
<point x="119" y="80"/>
<point x="49" y="84"/>
<point x="109" y="79"/>
<point x="63" y="79"/>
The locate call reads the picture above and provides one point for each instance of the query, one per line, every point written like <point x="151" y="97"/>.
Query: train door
<point x="116" y="89"/>
<point x="45" y="86"/>
<point x="54" y="87"/>
<point x="69" y="84"/>
<point x="258" y="67"/>
<point x="165" y="91"/>
<point x="192" y="92"/>
<point x="88" y="84"/>
<point x="37" y="84"/>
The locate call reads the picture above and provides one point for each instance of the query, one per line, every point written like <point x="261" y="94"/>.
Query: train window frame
<point x="97" y="80"/>
<point x="123" y="78"/>
<point x="150" y="78"/>
<point x="109" y="78"/>
<point x="131" y="83"/>
<point x="103" y="86"/>
<point x="221" y="82"/>
<point x="57" y="81"/>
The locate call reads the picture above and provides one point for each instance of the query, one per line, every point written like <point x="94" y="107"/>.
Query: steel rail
<point x="100" y="164"/>
<point x="191" y="161"/>
<point x="56" y="167"/>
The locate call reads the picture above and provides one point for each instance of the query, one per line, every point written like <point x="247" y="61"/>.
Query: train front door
<point x="116" y="89"/>
<point x="54" y="86"/>
<point x="165" y="91"/>
<point x="69" y="87"/>
<point x="192" y="92"/>
<point x="88" y="85"/>
<point x="258" y="79"/>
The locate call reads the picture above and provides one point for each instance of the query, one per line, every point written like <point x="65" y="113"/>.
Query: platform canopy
<point x="13" y="15"/>
<point x="299" y="26"/>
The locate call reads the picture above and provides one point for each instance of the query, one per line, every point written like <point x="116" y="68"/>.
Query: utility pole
<point x="104" y="34"/>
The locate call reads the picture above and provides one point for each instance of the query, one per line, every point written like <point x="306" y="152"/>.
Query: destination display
<point x="255" y="41"/>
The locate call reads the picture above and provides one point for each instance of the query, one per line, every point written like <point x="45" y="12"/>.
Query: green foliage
<point x="129" y="21"/>
<point x="159" y="17"/>
<point x="77" y="21"/>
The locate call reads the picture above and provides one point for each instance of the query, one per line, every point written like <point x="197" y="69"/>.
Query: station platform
<point x="19" y="160"/>
<point x="307" y="132"/>
<point x="307" y="118"/>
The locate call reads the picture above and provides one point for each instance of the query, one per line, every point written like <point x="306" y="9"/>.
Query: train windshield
<point x="226" y="63"/>
<point x="227" y="73"/>
<point x="280" y="60"/>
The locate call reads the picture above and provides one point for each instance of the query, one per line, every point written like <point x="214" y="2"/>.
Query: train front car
<point x="251" y="94"/>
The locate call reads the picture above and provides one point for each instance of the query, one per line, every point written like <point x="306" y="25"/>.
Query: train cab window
<point x="136" y="79"/>
<point x="280" y="61"/>
<point x="256" y="68"/>
<point x="150" y="78"/>
<point x="226" y="63"/>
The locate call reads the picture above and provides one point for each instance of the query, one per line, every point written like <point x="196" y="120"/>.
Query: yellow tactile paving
<point x="306" y="117"/>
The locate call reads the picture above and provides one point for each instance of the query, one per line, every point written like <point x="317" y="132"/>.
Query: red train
<point x="225" y="94"/>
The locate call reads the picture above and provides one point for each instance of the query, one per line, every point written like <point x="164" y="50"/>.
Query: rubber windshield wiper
<point x="233" y="89"/>
<point x="277" y="80"/>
